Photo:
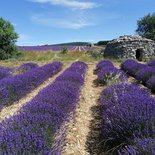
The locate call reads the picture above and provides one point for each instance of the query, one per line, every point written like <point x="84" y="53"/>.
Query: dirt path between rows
<point x="79" y="128"/>
<point x="12" y="110"/>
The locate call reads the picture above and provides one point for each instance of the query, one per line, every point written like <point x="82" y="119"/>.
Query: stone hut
<point x="129" y="46"/>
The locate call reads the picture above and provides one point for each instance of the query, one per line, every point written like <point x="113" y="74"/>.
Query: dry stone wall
<point x="130" y="47"/>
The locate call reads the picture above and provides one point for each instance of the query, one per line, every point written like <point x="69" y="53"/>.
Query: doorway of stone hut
<point x="139" y="54"/>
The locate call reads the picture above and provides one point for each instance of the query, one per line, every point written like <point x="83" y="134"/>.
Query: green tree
<point x="146" y="26"/>
<point x="8" y="38"/>
<point x="103" y="42"/>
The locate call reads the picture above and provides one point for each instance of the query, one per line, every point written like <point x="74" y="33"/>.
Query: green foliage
<point x="146" y="26"/>
<point x="100" y="43"/>
<point x="64" y="50"/>
<point x="94" y="54"/>
<point x="74" y="44"/>
<point x="7" y="40"/>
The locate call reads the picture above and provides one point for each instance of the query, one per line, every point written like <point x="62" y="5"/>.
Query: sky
<point x="40" y="22"/>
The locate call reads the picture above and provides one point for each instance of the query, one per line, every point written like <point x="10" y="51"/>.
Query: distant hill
<point x="74" y="44"/>
<point x="99" y="43"/>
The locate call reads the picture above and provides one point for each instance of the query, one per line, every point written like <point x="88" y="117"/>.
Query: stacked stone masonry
<point x="129" y="46"/>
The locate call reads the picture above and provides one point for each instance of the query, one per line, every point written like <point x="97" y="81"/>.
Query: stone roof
<point x="130" y="38"/>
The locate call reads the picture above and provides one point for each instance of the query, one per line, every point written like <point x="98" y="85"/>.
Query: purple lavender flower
<point x="4" y="72"/>
<point x="26" y="66"/>
<point x="144" y="74"/>
<point x="132" y="67"/>
<point x="139" y="146"/>
<point x="151" y="63"/>
<point x="55" y="48"/>
<point x="109" y="73"/>
<point x="15" y="87"/>
<point x="151" y="84"/>
<point x="101" y="65"/>
<point x="126" y="111"/>
<point x="32" y="130"/>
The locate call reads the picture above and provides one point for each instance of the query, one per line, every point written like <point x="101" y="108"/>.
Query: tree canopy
<point x="146" y="26"/>
<point x="8" y="38"/>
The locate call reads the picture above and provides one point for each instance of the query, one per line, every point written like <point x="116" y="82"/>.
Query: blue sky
<point x="57" y="21"/>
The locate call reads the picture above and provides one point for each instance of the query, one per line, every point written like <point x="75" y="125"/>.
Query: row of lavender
<point x="55" y="48"/>
<point x="5" y="72"/>
<point x="128" y="115"/>
<point x="32" y="130"/>
<point x="144" y="73"/>
<point x="8" y="72"/>
<point x="15" y="87"/>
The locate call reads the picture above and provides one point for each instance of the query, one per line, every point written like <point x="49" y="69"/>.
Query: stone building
<point x="129" y="46"/>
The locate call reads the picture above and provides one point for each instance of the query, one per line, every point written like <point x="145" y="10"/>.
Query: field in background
<point x="57" y="48"/>
<point x="42" y="58"/>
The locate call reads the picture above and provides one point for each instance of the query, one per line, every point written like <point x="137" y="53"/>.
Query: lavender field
<point x="77" y="77"/>
<point x="57" y="113"/>
<point x="56" y="48"/>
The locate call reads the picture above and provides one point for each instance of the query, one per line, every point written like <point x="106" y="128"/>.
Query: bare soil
<point x="80" y="127"/>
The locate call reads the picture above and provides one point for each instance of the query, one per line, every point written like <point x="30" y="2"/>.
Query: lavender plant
<point x="4" y="72"/>
<point x="127" y="111"/>
<point x="25" y="67"/>
<point x="101" y="65"/>
<point x="131" y="67"/>
<point x="144" y="74"/>
<point x="140" y="146"/>
<point x="32" y="130"/>
<point x="15" y="87"/>
<point x="151" y="84"/>
<point x="107" y="73"/>
<point x="151" y="63"/>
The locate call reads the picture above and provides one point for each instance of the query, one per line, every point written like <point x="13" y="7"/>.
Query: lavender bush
<point x="25" y="67"/>
<point x="151" y="84"/>
<point x="4" y="72"/>
<point x="151" y="63"/>
<point x="131" y="67"/>
<point x="14" y="88"/>
<point x="145" y="146"/>
<point x="106" y="72"/>
<point x="32" y="130"/>
<point x="143" y="75"/>
<point x="127" y="111"/>
<point x="102" y="64"/>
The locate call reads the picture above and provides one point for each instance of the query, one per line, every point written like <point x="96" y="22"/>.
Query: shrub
<point x="102" y="64"/>
<point x="4" y="72"/>
<point x="144" y="74"/>
<point x="94" y="54"/>
<point x="151" y="63"/>
<point x="15" y="87"/>
<point x="64" y="50"/>
<point x="127" y="111"/>
<point x="132" y="67"/>
<point x="32" y="131"/>
<point x="107" y="74"/>
<point x="145" y="146"/>
<point x="151" y="84"/>
<point x="25" y="67"/>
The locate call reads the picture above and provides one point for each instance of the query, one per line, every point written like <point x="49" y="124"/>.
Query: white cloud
<point x="61" y="23"/>
<point x="75" y="4"/>
<point x="24" y="37"/>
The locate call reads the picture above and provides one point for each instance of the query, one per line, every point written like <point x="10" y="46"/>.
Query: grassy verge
<point x="42" y="58"/>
